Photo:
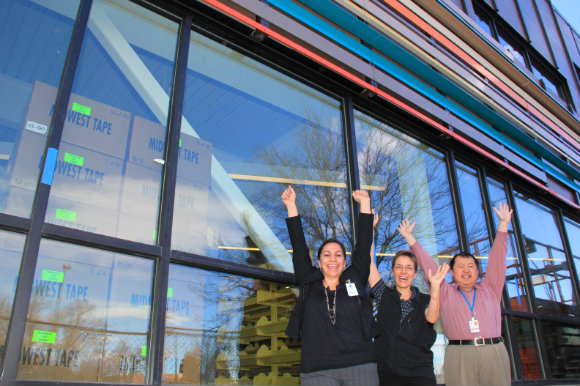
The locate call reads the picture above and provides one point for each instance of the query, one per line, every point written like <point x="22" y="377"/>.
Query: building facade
<point x="144" y="146"/>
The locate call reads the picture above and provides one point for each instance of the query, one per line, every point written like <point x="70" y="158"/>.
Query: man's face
<point x="332" y="260"/>
<point x="465" y="271"/>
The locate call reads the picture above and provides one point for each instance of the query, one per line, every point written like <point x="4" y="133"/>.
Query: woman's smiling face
<point x="332" y="260"/>
<point x="404" y="271"/>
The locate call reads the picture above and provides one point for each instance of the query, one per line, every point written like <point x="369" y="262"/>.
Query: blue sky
<point x="569" y="9"/>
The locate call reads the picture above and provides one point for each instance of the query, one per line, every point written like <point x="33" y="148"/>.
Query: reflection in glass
<point x="514" y="280"/>
<point x="108" y="173"/>
<point x="483" y="22"/>
<point x="573" y="232"/>
<point x="545" y="81"/>
<point x="406" y="179"/>
<point x="11" y="247"/>
<point x="563" y="348"/>
<point x="549" y="269"/>
<point x="89" y="316"/>
<point x="514" y="52"/>
<point x="473" y="213"/>
<point x="34" y="42"/>
<point x="247" y="131"/>
<point x="224" y="329"/>
<point x="529" y="356"/>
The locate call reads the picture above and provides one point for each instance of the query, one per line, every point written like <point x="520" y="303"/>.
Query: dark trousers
<point x="390" y="379"/>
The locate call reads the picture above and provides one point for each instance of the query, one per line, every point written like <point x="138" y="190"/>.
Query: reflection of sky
<point x="537" y="222"/>
<point x="473" y="214"/>
<point x="546" y="259"/>
<point x="11" y="246"/>
<point x="215" y="308"/>
<point x="119" y="286"/>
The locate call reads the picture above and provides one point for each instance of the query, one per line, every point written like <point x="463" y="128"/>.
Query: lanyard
<point x="472" y="305"/>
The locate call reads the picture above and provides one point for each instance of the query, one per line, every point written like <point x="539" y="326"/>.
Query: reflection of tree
<point x="387" y="163"/>
<point x="77" y="344"/>
<point x="317" y="155"/>
<point x="385" y="160"/>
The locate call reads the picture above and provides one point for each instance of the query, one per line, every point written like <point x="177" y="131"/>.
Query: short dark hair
<point x="329" y="241"/>
<point x="404" y="252"/>
<point x="465" y="255"/>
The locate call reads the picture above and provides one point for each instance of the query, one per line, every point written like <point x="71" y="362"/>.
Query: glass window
<point x="224" y="329"/>
<point x="11" y="247"/>
<point x="546" y="259"/>
<point x="514" y="280"/>
<point x="563" y="349"/>
<point x="247" y="132"/>
<point x="545" y="80"/>
<point x="529" y="354"/>
<point x="108" y="172"/>
<point x="406" y="179"/>
<point x="89" y="316"/>
<point x="473" y="214"/>
<point x="34" y="42"/>
<point x="512" y="49"/>
<point x="573" y="232"/>
<point x="483" y="22"/>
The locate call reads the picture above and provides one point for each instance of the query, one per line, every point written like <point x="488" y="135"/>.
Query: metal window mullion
<point x="456" y="199"/>
<point x="18" y="317"/>
<point x="161" y="275"/>
<point x="353" y="179"/>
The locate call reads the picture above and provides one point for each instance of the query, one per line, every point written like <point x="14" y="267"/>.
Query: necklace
<point x="331" y="311"/>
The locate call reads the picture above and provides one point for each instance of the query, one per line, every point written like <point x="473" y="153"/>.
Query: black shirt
<point x="404" y="344"/>
<point x="347" y="342"/>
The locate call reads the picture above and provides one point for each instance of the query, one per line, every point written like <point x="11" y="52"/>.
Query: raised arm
<point x="432" y="312"/>
<point x="374" y="275"/>
<point x="406" y="228"/>
<point x="300" y="253"/>
<point x="289" y="200"/>
<point x="496" y="268"/>
<point x="361" y="256"/>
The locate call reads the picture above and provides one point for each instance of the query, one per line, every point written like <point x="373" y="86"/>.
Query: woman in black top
<point x="405" y="317"/>
<point x="332" y="316"/>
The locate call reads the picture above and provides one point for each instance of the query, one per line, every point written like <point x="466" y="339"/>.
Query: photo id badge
<point x="351" y="289"/>
<point x="474" y="325"/>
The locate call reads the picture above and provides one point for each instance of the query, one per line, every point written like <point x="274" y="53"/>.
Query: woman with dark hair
<point x="332" y="316"/>
<point x="405" y="318"/>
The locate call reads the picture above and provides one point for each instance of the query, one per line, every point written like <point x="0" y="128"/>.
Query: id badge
<point x="351" y="289"/>
<point x="474" y="325"/>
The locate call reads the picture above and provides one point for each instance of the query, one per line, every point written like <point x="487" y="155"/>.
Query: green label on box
<point x="170" y="292"/>
<point x="43" y="336"/>
<point x="144" y="351"/>
<point x="49" y="275"/>
<point x="81" y="109"/>
<point x="180" y="143"/>
<point x="73" y="159"/>
<point x="67" y="215"/>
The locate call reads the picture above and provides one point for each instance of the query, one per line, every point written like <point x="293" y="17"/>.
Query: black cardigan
<point x="327" y="346"/>
<point x="404" y="346"/>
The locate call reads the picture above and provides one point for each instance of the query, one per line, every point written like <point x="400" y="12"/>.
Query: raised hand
<point x="437" y="278"/>
<point x="289" y="199"/>
<point x="363" y="198"/>
<point x="504" y="214"/>
<point x="406" y="228"/>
